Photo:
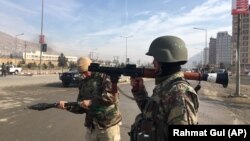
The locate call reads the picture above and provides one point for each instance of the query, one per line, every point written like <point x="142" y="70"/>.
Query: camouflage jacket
<point x="103" y="111"/>
<point x="177" y="101"/>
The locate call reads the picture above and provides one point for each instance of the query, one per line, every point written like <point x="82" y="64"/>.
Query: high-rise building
<point x="212" y="51"/>
<point x="244" y="42"/>
<point x="223" y="49"/>
<point x="206" y="56"/>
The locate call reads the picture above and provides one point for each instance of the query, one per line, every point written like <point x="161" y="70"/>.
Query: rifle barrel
<point x="133" y="71"/>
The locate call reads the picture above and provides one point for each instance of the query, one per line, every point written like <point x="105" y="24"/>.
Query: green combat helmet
<point x="168" y="49"/>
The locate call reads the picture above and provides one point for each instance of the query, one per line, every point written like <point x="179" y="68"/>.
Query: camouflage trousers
<point x="110" y="134"/>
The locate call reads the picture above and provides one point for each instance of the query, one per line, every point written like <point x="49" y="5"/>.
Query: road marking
<point x="3" y="120"/>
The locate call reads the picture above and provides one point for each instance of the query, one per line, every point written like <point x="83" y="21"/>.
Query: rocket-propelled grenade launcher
<point x="133" y="71"/>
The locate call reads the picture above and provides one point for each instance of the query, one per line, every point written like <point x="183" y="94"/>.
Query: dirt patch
<point x="216" y="91"/>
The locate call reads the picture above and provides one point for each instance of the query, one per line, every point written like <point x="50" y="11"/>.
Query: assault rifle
<point x="133" y="71"/>
<point x="45" y="106"/>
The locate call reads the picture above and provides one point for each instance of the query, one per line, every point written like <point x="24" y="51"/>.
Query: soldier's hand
<point x="61" y="105"/>
<point x="85" y="104"/>
<point x="136" y="83"/>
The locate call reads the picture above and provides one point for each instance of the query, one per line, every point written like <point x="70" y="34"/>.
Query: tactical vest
<point x="150" y="127"/>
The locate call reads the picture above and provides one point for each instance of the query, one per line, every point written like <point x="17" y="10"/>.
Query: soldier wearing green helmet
<point x="173" y="100"/>
<point x="168" y="49"/>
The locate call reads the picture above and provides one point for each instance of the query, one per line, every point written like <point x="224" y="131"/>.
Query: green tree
<point x="51" y="65"/>
<point x="62" y="61"/>
<point x="31" y="65"/>
<point x="44" y="66"/>
<point x="34" y="65"/>
<point x="72" y="65"/>
<point x="21" y="62"/>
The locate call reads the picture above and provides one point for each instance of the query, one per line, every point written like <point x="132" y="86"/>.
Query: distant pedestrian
<point x="7" y="69"/>
<point x="4" y="69"/>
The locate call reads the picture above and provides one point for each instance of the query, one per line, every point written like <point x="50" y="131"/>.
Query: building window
<point x="245" y="20"/>
<point x="245" y="60"/>
<point x="245" y="25"/>
<point x="245" y="31"/>
<point x="245" y="37"/>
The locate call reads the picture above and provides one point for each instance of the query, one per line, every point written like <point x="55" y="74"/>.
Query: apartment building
<point x="224" y="49"/>
<point x="212" y="51"/>
<point x="244" y="42"/>
<point x="35" y="56"/>
<point x="206" y="56"/>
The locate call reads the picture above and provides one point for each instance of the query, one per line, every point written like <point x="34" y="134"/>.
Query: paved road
<point x="17" y="123"/>
<point x="16" y="80"/>
<point x="20" y="124"/>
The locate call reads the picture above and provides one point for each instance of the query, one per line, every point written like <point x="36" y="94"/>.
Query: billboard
<point x="41" y="39"/>
<point x="240" y="7"/>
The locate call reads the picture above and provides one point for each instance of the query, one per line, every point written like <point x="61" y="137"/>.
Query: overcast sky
<point x="78" y="27"/>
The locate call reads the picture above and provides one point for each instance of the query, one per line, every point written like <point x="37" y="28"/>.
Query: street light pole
<point x="16" y="45"/>
<point x="205" y="40"/>
<point x="126" y="37"/>
<point x="201" y="54"/>
<point x="25" y="46"/>
<point x="41" y="41"/>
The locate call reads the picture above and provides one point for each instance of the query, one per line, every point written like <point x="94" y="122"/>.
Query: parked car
<point x="12" y="69"/>
<point x="70" y="77"/>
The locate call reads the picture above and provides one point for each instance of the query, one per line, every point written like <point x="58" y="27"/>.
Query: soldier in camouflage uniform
<point x="173" y="100"/>
<point x="101" y="107"/>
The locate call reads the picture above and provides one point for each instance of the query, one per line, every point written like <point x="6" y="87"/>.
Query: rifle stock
<point x="131" y="70"/>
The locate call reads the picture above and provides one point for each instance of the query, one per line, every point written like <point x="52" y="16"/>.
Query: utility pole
<point x="41" y="41"/>
<point x="239" y="8"/>
<point x="25" y="45"/>
<point x="237" y="93"/>
<point x="126" y="37"/>
<point x="205" y="43"/>
<point x="16" y="46"/>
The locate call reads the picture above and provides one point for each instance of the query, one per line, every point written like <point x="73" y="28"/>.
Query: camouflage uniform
<point x="103" y="115"/>
<point x="173" y="101"/>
